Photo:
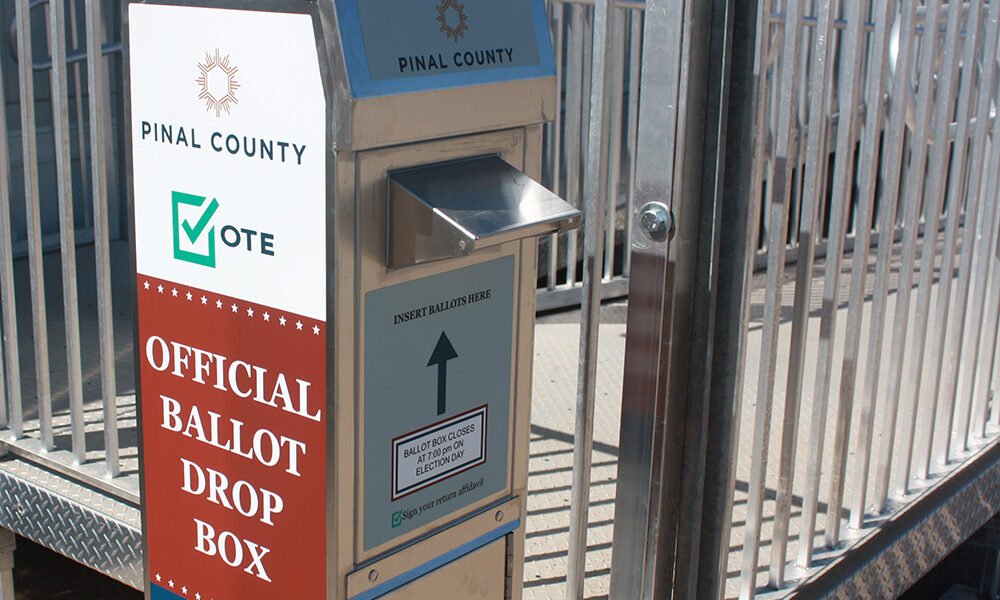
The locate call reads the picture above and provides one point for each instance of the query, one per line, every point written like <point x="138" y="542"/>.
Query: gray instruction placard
<point x="437" y="396"/>
<point x="407" y="38"/>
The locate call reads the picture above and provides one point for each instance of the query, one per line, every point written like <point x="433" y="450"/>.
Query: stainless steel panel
<point x="479" y="575"/>
<point x="369" y="200"/>
<point x="453" y="209"/>
<point x="399" y="563"/>
<point x="443" y="113"/>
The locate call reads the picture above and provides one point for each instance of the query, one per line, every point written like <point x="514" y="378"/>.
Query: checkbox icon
<point x="194" y="240"/>
<point x="397" y="518"/>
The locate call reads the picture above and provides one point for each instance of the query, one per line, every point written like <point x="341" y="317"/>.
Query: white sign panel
<point x="209" y="99"/>
<point x="437" y="452"/>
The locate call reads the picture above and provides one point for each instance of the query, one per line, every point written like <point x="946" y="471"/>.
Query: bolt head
<point x="656" y="221"/>
<point x="652" y="221"/>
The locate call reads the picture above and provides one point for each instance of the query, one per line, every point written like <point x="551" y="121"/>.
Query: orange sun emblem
<point x="218" y="83"/>
<point x="451" y="16"/>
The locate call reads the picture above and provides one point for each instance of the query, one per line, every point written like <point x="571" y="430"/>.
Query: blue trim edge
<point x="438" y="562"/>
<point x="161" y="593"/>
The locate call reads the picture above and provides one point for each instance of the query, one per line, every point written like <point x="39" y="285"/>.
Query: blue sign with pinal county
<point x="395" y="46"/>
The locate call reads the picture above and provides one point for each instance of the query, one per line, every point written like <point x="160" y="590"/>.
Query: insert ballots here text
<point x="234" y="431"/>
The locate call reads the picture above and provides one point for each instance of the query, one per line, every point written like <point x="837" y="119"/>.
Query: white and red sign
<point x="228" y="135"/>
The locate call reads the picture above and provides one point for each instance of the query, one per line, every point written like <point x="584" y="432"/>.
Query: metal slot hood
<point x="452" y="209"/>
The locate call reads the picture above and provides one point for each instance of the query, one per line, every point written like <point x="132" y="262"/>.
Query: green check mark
<point x="194" y="232"/>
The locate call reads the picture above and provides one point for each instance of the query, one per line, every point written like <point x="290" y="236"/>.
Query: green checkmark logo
<point x="194" y="240"/>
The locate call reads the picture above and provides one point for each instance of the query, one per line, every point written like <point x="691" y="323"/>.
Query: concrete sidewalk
<point x="551" y="464"/>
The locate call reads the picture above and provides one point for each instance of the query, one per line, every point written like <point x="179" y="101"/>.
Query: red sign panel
<point x="234" y="428"/>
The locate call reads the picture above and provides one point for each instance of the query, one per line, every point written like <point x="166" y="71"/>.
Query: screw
<point x="373" y="575"/>
<point x="498" y="516"/>
<point x="461" y="245"/>
<point x="656" y="221"/>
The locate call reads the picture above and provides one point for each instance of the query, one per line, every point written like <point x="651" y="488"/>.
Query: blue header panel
<point x="400" y="46"/>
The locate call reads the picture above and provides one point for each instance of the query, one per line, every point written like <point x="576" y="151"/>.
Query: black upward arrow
<point x="443" y="352"/>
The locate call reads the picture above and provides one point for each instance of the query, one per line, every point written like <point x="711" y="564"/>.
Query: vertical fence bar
<point x="586" y="75"/>
<point x="10" y="377"/>
<point x="99" y="123"/>
<point x="81" y="139"/>
<point x="614" y="140"/>
<point x="33" y="214"/>
<point x="925" y="396"/>
<point x="937" y="432"/>
<point x="883" y="11"/>
<point x="573" y="130"/>
<point x="893" y="165"/>
<point x="595" y="186"/>
<point x="67" y="240"/>
<point x="557" y="8"/>
<point x="814" y="192"/>
<point x="786" y="160"/>
<point x="843" y="175"/>
<point x="635" y="60"/>
<point x="940" y="108"/>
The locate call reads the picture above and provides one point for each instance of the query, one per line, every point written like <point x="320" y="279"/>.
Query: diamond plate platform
<point x="97" y="530"/>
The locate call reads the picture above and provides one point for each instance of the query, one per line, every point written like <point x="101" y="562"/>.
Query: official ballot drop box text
<point x="335" y="248"/>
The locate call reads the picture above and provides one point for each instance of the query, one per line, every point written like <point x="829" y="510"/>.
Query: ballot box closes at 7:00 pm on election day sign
<point x="335" y="217"/>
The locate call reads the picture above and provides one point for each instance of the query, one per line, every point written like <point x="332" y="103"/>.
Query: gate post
<point x="685" y="336"/>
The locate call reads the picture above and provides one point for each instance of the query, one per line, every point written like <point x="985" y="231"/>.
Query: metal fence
<point x="876" y="152"/>
<point x="62" y="180"/>
<point x="565" y="152"/>
<point x="757" y="451"/>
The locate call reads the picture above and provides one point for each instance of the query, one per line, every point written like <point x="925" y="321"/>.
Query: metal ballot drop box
<point x="335" y="217"/>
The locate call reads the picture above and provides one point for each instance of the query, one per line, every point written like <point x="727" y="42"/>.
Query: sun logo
<point x="450" y="11"/>
<point x="218" y="83"/>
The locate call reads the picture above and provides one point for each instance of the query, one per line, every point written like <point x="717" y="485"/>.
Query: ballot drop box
<point x="335" y="217"/>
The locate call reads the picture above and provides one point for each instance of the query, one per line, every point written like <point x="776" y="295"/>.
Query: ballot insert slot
<point x="452" y="209"/>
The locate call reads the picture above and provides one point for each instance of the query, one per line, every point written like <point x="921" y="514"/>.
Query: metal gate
<point x="776" y="419"/>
